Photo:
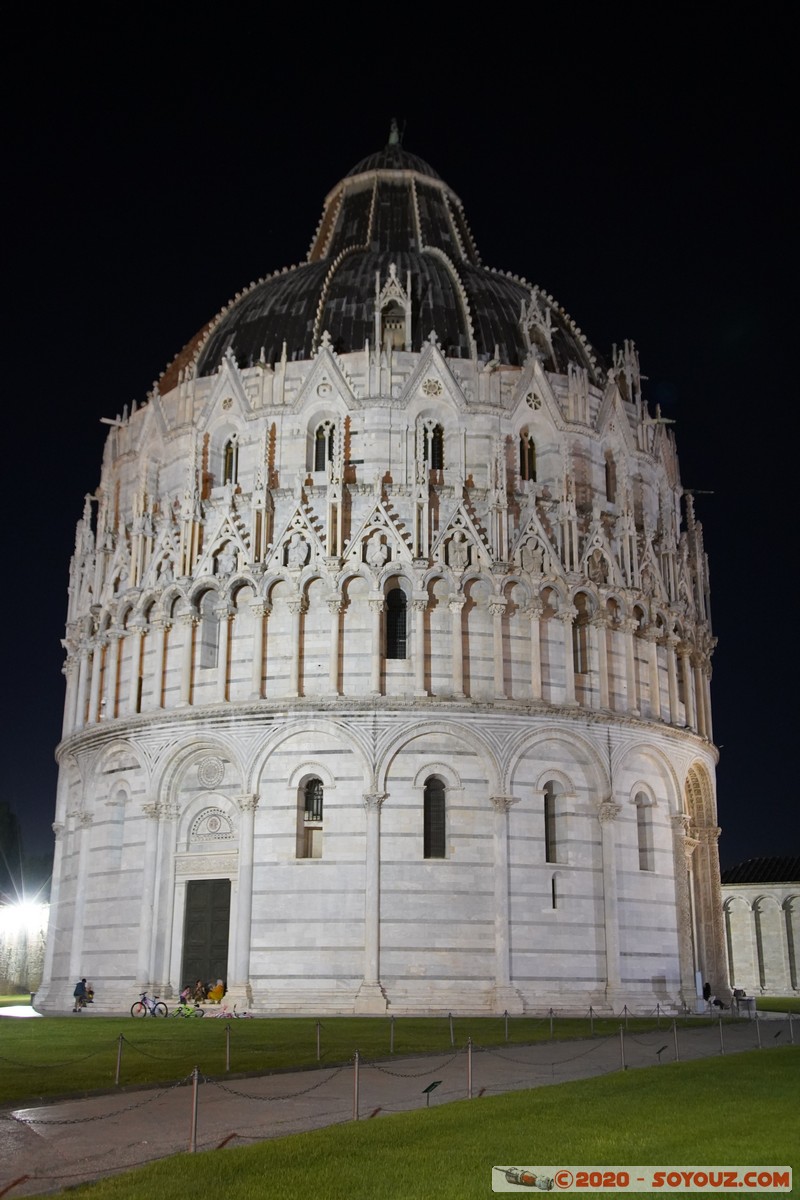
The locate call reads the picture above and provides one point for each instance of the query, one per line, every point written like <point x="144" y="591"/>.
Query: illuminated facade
<point x="388" y="653"/>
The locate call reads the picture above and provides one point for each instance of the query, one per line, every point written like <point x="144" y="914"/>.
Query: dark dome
<point x="391" y="209"/>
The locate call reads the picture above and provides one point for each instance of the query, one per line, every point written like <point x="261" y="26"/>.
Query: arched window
<point x="230" y="460"/>
<point x="580" y="636"/>
<point x="611" y="478"/>
<point x="434" y="446"/>
<point x="323" y="445"/>
<point x="393" y="326"/>
<point x="527" y="457"/>
<point x="310" y="800"/>
<point x="433" y="819"/>
<point x="644" y="832"/>
<point x="396" y="624"/>
<point x="551" y="791"/>
<point x="209" y="630"/>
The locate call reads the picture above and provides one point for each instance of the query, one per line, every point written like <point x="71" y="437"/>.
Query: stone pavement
<point x="72" y="1141"/>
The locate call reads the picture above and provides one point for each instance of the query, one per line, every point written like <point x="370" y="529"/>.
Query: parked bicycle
<point x="231" y="1013"/>
<point x="148" y="1006"/>
<point x="185" y="1009"/>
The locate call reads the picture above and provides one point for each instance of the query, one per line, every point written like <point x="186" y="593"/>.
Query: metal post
<point x="758" y="1033"/>
<point x="452" y="1035"/>
<point x="675" y="1039"/>
<point x="355" y="1086"/>
<point x="228" y="1047"/>
<point x="658" y="1014"/>
<point x="551" y="1024"/>
<point x="391" y="1034"/>
<point x="193" y="1132"/>
<point x="791" y="1031"/>
<point x="319" y="1026"/>
<point x="120" y="1040"/>
<point x="591" y="1021"/>
<point x="625" y="1011"/>
<point x="469" y="1068"/>
<point x="505" y="1014"/>
<point x="622" y="1047"/>
<point x="721" y="1038"/>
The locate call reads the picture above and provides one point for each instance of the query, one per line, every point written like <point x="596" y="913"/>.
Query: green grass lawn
<point x="778" y="1004"/>
<point x="52" y="1056"/>
<point x="736" y="1111"/>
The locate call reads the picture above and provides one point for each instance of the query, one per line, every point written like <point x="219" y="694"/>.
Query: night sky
<point x="640" y="175"/>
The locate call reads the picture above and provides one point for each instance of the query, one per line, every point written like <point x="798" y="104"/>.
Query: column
<point x="497" y="607"/>
<point x="419" y="605"/>
<point x="94" y="690"/>
<point x="83" y="824"/>
<point x="376" y="605"/>
<point x="147" y="901"/>
<point x="566" y="618"/>
<point x="80" y="702"/>
<point x="297" y="607"/>
<point x="136" y="633"/>
<point x="335" y="609"/>
<point x="672" y="678"/>
<point x="651" y="637"/>
<point x="710" y="916"/>
<point x="70" y="671"/>
<point x="164" y="900"/>
<point x="54" y="933"/>
<point x="697" y="672"/>
<point x="628" y="626"/>
<point x="158" y="628"/>
<point x="187" y="622"/>
<point x="260" y="609"/>
<point x="535" y="613"/>
<point x="688" y="686"/>
<point x="370" y="997"/>
<point x="683" y="847"/>
<point x="599" y="623"/>
<point x="223" y="615"/>
<point x="109" y="712"/>
<point x="455" y="604"/>
<point x="239" y="989"/>
<point x="607" y="814"/>
<point x="506" y="997"/>
<point x="707" y="701"/>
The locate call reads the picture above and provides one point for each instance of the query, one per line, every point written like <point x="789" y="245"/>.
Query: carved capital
<point x="456" y="603"/>
<point x="248" y="802"/>
<point x="297" y="605"/>
<point x="58" y="830"/>
<point x="503" y="804"/>
<point x="609" y="810"/>
<point x="374" y="800"/>
<point x="335" y="605"/>
<point x="497" y="606"/>
<point x="376" y="604"/>
<point x="152" y="810"/>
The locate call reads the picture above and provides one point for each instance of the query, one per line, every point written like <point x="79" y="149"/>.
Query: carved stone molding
<point x="374" y="800"/>
<point x="503" y="804"/>
<point x="609" y="810"/>
<point x="207" y="864"/>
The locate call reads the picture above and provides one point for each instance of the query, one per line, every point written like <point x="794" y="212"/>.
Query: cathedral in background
<point x="388" y="653"/>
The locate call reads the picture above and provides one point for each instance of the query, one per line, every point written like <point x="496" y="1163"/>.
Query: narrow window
<point x="323" y="445"/>
<point x="434" y="447"/>
<point x="396" y="624"/>
<point x="209" y="630"/>
<point x="611" y="479"/>
<point x="310" y="842"/>
<point x="580" y="636"/>
<point x="644" y="832"/>
<point x="230" y="460"/>
<point x="550" y="822"/>
<point x="527" y="457"/>
<point x="433" y="821"/>
<point x="553" y="893"/>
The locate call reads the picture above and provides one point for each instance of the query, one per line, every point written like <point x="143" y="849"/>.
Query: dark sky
<point x="640" y="174"/>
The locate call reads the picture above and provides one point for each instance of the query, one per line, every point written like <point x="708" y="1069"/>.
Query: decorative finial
<point x="394" y="133"/>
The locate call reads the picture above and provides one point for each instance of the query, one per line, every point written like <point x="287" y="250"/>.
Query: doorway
<point x="205" y="931"/>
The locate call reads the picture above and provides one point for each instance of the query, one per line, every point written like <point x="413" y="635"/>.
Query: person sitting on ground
<point x="90" y="993"/>
<point x="199" y="992"/>
<point x="216" y="993"/>
<point x="186" y="994"/>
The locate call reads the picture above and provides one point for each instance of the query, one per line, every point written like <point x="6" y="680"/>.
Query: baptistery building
<point x="388" y="653"/>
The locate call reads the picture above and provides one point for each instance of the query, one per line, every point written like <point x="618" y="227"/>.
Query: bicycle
<point x="228" y="1013"/>
<point x="185" y="1009"/>
<point x="148" y="1006"/>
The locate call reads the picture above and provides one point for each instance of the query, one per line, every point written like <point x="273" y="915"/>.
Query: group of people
<point x="710" y="998"/>
<point x="83" y="995"/>
<point x="200" y="993"/>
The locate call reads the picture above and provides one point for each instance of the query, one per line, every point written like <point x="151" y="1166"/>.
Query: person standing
<point x="79" y="995"/>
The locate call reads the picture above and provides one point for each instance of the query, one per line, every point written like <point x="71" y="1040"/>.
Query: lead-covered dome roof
<point x="391" y="209"/>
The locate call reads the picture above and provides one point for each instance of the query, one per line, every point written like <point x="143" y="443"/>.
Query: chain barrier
<point x="413" y="1074"/>
<point x="553" y="1062"/>
<point x="149" y="1099"/>
<point x="32" y="1066"/>
<point x="224" y="1087"/>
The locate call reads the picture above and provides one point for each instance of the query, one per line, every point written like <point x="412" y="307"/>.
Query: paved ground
<point x="68" y="1142"/>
